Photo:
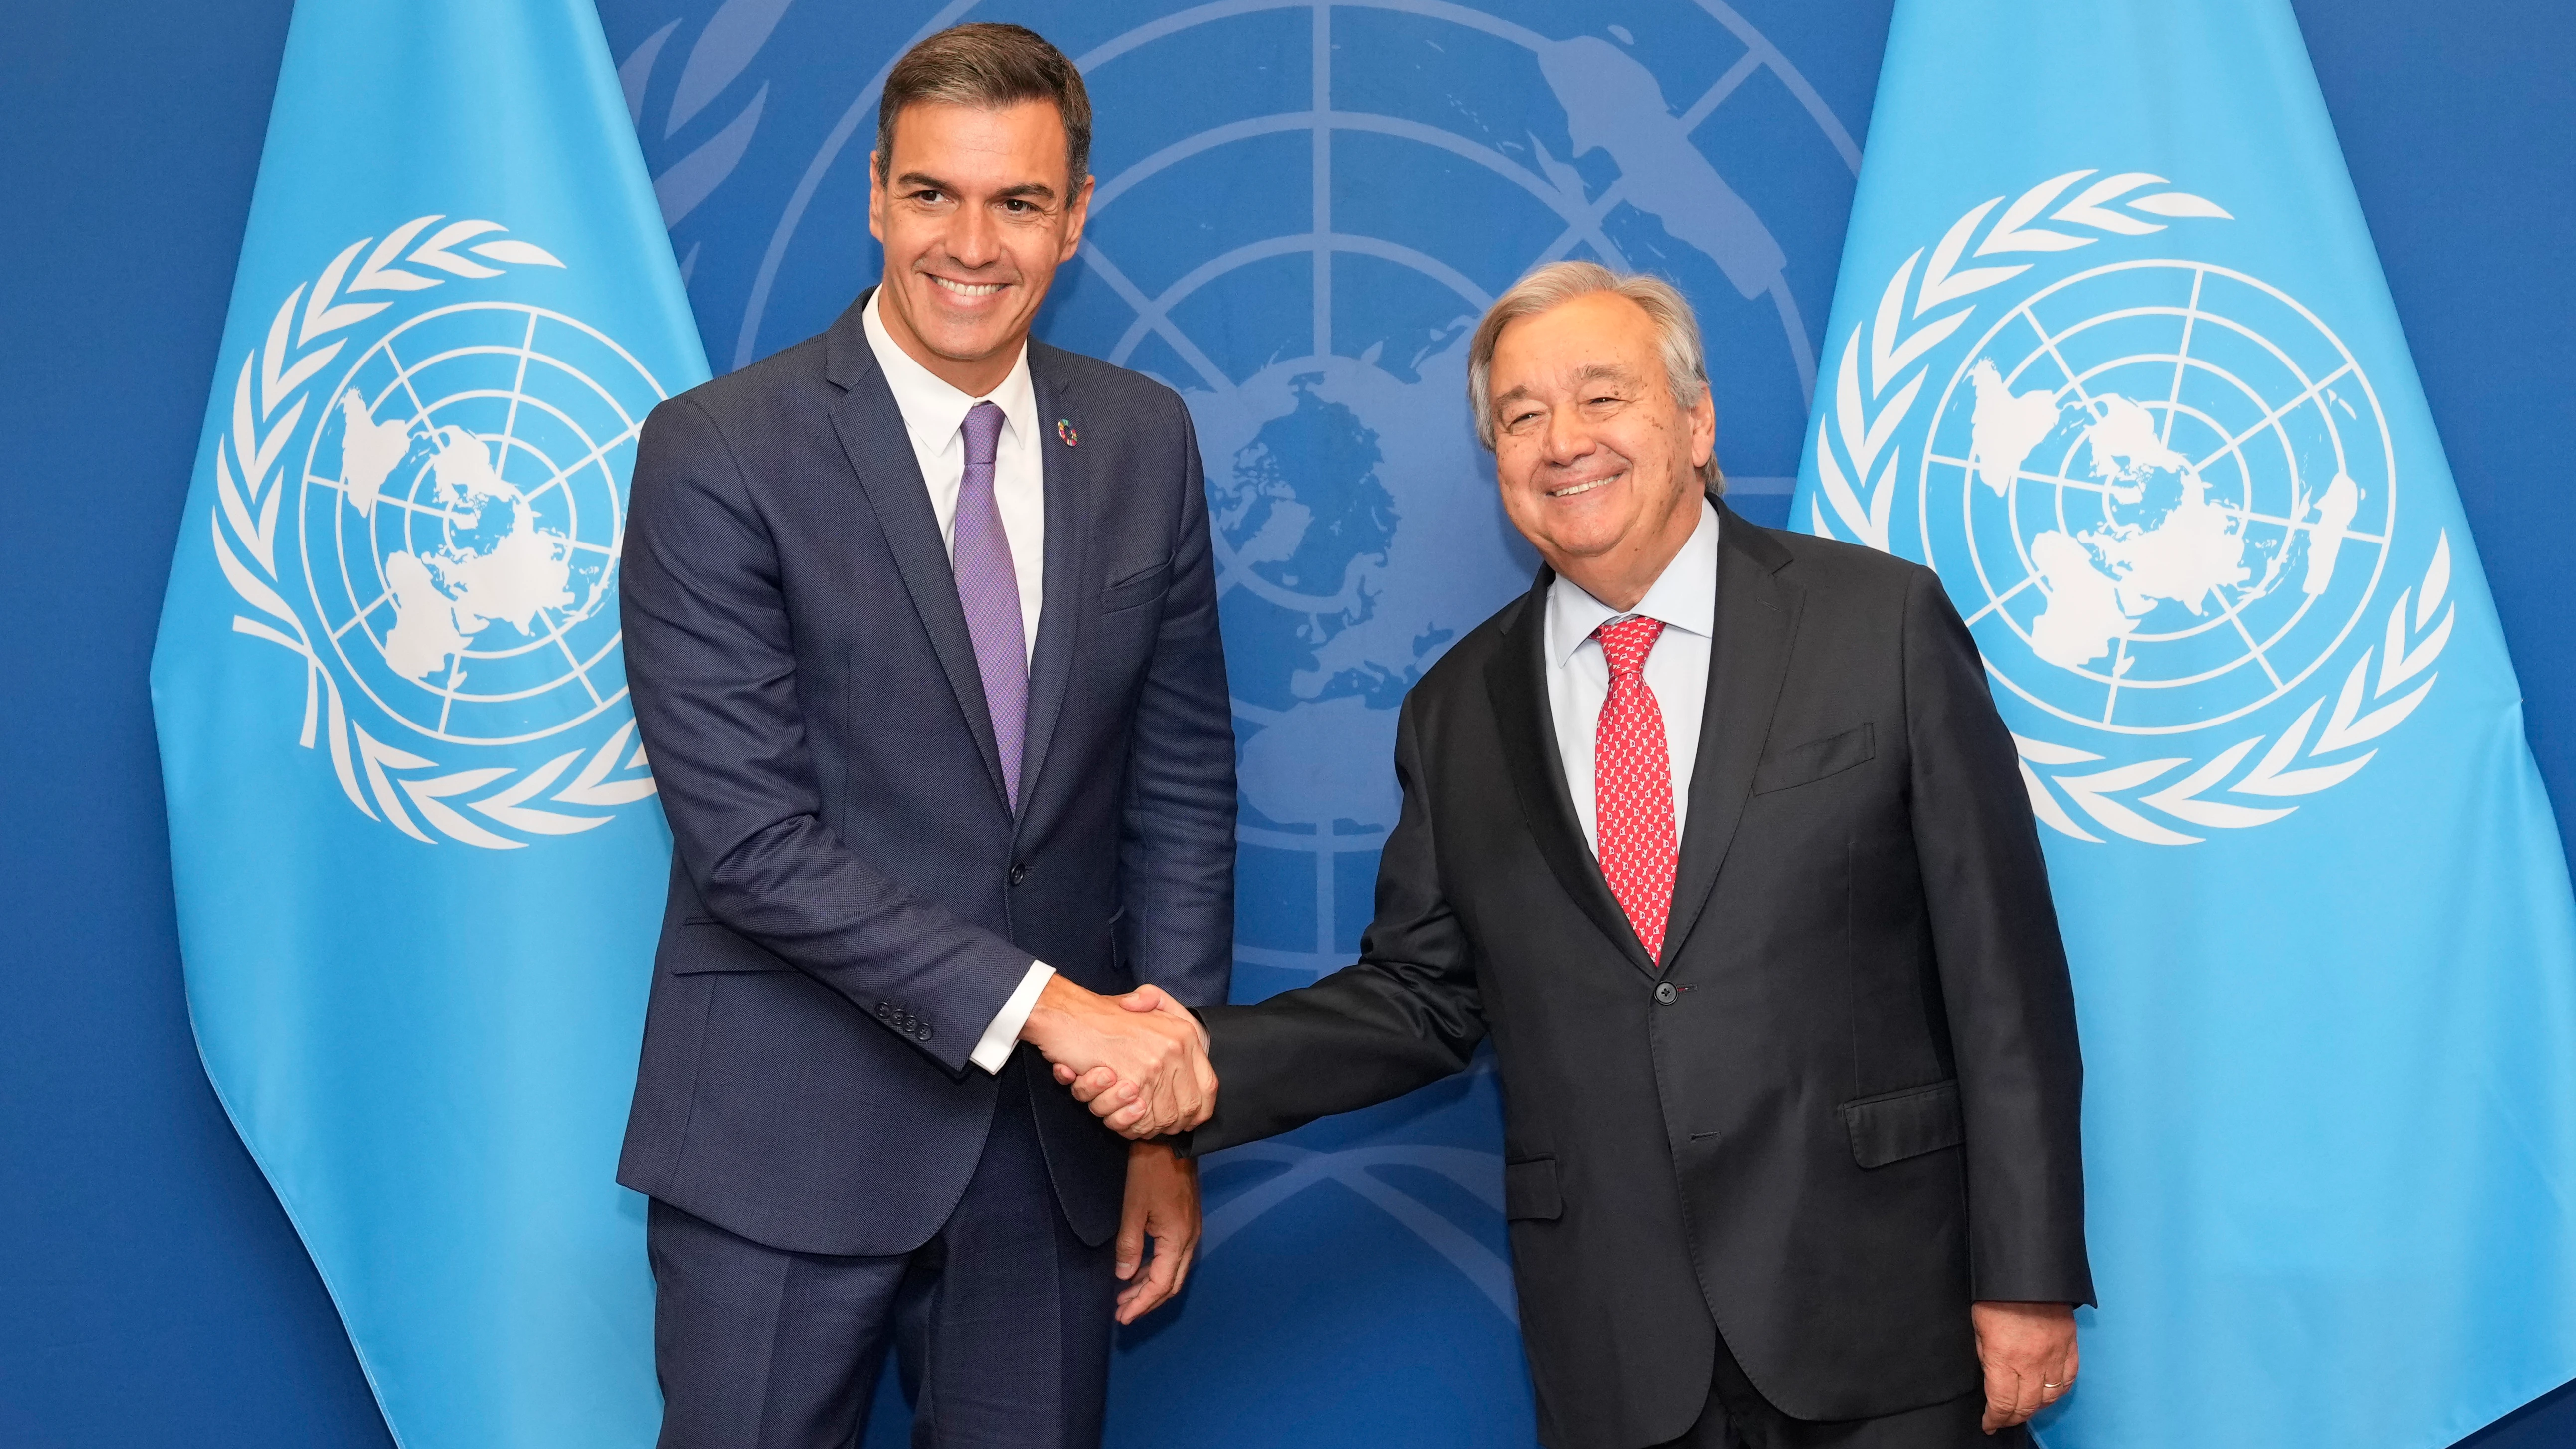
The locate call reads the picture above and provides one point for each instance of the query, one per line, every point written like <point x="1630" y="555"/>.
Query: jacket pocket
<point x="1137" y="588"/>
<point x="1805" y="764"/>
<point x="703" y="946"/>
<point x="1893" y="1126"/>
<point x="1530" y="1189"/>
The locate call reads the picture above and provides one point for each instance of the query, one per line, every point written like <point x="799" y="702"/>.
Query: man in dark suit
<point x="921" y="625"/>
<point x="1716" y="832"/>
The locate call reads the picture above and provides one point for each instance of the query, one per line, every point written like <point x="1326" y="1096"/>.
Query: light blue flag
<point x="2112" y="352"/>
<point x="419" y="867"/>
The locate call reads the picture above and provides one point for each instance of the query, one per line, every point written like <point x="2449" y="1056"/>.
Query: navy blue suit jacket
<point x="852" y="898"/>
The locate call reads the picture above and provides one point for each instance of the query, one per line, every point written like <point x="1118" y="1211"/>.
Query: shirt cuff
<point x="995" y="1048"/>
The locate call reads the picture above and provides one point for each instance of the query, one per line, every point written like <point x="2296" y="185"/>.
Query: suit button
<point x="923" y="1034"/>
<point x="884" y="1012"/>
<point x="1664" y="993"/>
<point x="1019" y="873"/>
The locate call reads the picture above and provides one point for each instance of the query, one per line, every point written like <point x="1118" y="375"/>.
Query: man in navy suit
<point x="921" y="625"/>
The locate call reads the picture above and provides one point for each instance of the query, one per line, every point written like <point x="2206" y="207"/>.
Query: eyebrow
<point x="1593" y="372"/>
<point x="924" y="181"/>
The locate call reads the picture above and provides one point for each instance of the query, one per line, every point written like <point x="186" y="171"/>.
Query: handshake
<point x="1140" y="1060"/>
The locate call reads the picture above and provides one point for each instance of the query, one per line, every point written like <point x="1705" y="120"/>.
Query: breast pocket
<point x="1137" y="589"/>
<point x="1806" y="764"/>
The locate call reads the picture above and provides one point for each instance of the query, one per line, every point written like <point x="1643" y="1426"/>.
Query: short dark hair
<point x="990" y="66"/>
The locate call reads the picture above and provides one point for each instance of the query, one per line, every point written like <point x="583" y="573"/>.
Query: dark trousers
<point x="1738" y="1417"/>
<point x="1001" y="1321"/>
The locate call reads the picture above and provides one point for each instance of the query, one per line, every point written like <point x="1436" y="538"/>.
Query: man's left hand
<point x="1162" y="1203"/>
<point x="2028" y="1350"/>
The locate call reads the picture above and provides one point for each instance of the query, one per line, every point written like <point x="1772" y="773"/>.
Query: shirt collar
<point x="1684" y="596"/>
<point x="933" y="410"/>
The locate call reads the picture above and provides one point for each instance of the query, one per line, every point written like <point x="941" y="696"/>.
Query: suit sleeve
<point x="2003" y="970"/>
<point x="710" y="658"/>
<point x="1176" y="832"/>
<point x="1406" y="1014"/>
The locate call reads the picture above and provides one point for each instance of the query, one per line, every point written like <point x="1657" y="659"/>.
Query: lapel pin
<point x="1064" y="430"/>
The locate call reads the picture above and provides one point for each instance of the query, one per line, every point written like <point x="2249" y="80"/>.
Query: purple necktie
<point x="990" y="589"/>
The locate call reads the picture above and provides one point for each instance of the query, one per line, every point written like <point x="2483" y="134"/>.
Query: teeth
<point x="1578" y="488"/>
<point x="969" y="289"/>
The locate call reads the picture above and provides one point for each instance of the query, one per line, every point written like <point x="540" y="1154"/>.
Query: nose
<point x="973" y="239"/>
<point x="1568" y="439"/>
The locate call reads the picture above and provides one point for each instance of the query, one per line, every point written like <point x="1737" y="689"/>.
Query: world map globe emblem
<point x="461" y="512"/>
<point x="1304" y="255"/>
<point x="2163" y="493"/>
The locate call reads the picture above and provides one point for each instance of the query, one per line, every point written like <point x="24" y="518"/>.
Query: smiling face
<point x="976" y="212"/>
<point x="1599" y="466"/>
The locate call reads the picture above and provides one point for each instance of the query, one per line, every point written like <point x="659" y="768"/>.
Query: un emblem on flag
<point x="2163" y="494"/>
<point x="430" y="514"/>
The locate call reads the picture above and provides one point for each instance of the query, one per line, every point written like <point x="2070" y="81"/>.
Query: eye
<point x="928" y="197"/>
<point x="1017" y="207"/>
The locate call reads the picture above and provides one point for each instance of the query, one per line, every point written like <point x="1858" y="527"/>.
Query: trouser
<point x="1736" y="1416"/>
<point x="1001" y="1322"/>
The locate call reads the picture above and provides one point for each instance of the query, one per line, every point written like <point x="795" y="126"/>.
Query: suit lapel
<point x="1516" y="683"/>
<point x="880" y="453"/>
<point x="1756" y="622"/>
<point x="1068" y="572"/>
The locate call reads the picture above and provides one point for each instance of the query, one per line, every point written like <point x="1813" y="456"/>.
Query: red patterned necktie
<point x="1632" y="783"/>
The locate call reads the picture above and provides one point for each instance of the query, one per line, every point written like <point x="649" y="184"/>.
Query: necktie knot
<point x="1626" y="642"/>
<point x="983" y="434"/>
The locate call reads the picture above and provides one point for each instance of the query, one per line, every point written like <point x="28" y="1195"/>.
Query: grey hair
<point x="1557" y="283"/>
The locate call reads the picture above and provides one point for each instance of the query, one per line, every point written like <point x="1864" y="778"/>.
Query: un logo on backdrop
<point x="449" y="537"/>
<point x="2162" y="491"/>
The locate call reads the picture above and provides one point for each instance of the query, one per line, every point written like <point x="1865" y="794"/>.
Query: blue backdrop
<point x="1299" y="206"/>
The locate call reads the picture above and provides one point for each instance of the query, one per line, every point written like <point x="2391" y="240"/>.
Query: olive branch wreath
<point x="268" y="401"/>
<point x="1856" y="499"/>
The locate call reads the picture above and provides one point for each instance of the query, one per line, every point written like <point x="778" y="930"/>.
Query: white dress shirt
<point x="1578" y="677"/>
<point x="934" y="416"/>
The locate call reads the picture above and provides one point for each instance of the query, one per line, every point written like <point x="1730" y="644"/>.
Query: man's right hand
<point x="1153" y="1050"/>
<point x="1119" y="1103"/>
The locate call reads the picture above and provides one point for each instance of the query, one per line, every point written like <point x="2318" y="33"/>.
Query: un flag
<point x="2111" y="351"/>
<point x="418" y="863"/>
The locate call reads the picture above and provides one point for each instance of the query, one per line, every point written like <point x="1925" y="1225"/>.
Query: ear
<point x="876" y="197"/>
<point x="1703" y="428"/>
<point x="1075" y="215"/>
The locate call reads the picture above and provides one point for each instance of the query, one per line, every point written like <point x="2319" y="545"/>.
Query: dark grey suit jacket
<point x="852" y="899"/>
<point x="1842" y="1105"/>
